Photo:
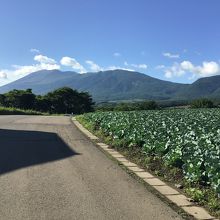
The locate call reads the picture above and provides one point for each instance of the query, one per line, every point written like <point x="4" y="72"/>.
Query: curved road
<point x="49" y="170"/>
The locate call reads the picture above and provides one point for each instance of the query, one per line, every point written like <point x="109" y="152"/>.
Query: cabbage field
<point x="184" y="138"/>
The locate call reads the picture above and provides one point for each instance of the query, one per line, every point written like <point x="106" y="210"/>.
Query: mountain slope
<point x="104" y="86"/>
<point x="205" y="87"/>
<point x="123" y="85"/>
<point x="41" y="81"/>
<point x="115" y="85"/>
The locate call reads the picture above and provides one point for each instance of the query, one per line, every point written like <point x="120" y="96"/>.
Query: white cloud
<point x="44" y="59"/>
<point x="142" y="66"/>
<point x="172" y="56"/>
<point x="3" y="75"/>
<point x="48" y="66"/>
<point x="96" y="67"/>
<point x="116" y="54"/>
<point x="18" y="71"/>
<point x="138" y="66"/>
<point x="168" y="74"/>
<point x="160" y="67"/>
<point x="45" y="63"/>
<point x="118" y="68"/>
<point x="93" y="66"/>
<point x="179" y="69"/>
<point x="24" y="70"/>
<point x="174" y="71"/>
<point x="68" y="61"/>
<point x="34" y="50"/>
<point x="206" y="69"/>
<point x="187" y="65"/>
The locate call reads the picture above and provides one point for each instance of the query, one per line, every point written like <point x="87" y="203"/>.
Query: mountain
<point x="104" y="86"/>
<point x="116" y="85"/>
<point x="204" y="87"/>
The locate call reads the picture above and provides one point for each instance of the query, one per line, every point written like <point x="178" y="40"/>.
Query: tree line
<point x="67" y="100"/>
<point x="60" y="101"/>
<point x="153" y="105"/>
<point x="128" y="106"/>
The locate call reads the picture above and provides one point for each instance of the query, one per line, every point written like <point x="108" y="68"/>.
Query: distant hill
<point x="205" y="87"/>
<point x="116" y="85"/>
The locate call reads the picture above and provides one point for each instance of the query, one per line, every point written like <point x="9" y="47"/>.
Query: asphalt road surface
<point x="50" y="170"/>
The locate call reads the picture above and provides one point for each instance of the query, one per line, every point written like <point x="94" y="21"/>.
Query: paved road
<point x="49" y="170"/>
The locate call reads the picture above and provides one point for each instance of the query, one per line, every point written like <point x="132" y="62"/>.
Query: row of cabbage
<point x="186" y="138"/>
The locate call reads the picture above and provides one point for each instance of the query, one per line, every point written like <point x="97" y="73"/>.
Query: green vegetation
<point x="128" y="106"/>
<point x="153" y="105"/>
<point x="16" y="111"/>
<point x="202" y="103"/>
<point x="63" y="100"/>
<point x="183" y="143"/>
<point x="23" y="99"/>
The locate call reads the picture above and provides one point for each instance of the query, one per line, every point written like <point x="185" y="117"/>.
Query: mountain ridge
<point x="113" y="85"/>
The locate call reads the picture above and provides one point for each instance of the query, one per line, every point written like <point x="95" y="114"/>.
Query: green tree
<point x="63" y="100"/>
<point x="42" y="104"/>
<point x="202" y="103"/>
<point x="23" y="99"/>
<point x="2" y="100"/>
<point x="67" y="100"/>
<point x="147" y="105"/>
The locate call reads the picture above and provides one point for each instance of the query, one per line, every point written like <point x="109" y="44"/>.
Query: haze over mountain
<point x="115" y="85"/>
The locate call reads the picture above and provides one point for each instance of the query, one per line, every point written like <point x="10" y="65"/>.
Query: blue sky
<point x="175" y="40"/>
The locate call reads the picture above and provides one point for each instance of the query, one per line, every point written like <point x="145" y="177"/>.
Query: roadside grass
<point x="15" y="111"/>
<point x="201" y="195"/>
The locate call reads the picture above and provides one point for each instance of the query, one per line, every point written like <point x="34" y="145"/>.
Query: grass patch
<point x="15" y="111"/>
